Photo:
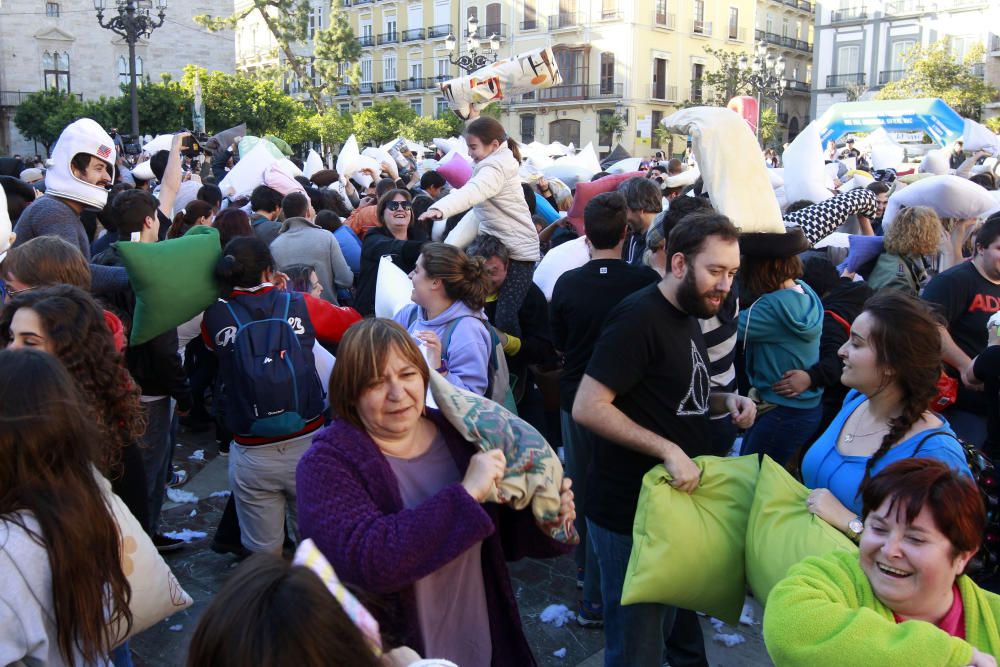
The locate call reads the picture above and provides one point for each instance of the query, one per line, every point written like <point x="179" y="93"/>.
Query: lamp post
<point x="133" y="21"/>
<point x="766" y="76"/>
<point x="474" y="58"/>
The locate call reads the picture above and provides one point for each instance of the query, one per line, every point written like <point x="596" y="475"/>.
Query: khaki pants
<point x="262" y="479"/>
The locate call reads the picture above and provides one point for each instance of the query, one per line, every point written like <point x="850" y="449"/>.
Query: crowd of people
<point x="674" y="332"/>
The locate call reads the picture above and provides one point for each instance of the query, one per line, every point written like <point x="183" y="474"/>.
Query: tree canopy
<point x="42" y="116"/>
<point x="933" y="71"/>
<point x="289" y="23"/>
<point x="231" y="99"/>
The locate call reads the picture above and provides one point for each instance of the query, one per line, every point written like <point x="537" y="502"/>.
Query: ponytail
<point x="512" y="145"/>
<point x="186" y="218"/>
<point x="488" y="130"/>
<point x="177" y="226"/>
<point x="243" y="263"/>
<point x="464" y="277"/>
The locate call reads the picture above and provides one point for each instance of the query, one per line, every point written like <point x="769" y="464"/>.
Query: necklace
<point x="850" y="437"/>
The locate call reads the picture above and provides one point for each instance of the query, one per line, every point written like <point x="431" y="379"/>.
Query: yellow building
<point x="631" y="60"/>
<point x="786" y="26"/>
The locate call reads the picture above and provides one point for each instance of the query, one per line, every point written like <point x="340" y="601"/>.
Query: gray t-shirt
<point x="451" y="603"/>
<point x="49" y="216"/>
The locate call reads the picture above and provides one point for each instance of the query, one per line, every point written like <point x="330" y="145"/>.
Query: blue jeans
<point x="121" y="656"/>
<point x="578" y="446"/>
<point x="157" y="453"/>
<point x="780" y="432"/>
<point x="635" y="634"/>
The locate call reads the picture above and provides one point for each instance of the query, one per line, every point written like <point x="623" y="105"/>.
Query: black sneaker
<point x="166" y="544"/>
<point x="237" y="550"/>
<point x="590" y="615"/>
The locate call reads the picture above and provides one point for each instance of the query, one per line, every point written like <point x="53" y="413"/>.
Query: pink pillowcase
<point x="585" y="191"/>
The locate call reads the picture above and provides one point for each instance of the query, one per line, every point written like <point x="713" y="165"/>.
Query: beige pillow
<point x="156" y="593"/>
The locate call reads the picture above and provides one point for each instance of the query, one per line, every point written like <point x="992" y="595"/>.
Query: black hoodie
<point x="846" y="300"/>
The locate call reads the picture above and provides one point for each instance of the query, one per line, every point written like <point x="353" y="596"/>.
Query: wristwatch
<point x="854" y="528"/>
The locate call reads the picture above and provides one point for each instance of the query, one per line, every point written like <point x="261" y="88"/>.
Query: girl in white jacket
<point x="494" y="193"/>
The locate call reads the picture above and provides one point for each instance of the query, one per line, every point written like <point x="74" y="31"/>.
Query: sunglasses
<point x="396" y="205"/>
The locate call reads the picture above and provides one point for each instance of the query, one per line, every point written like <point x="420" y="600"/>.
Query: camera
<point x="191" y="146"/>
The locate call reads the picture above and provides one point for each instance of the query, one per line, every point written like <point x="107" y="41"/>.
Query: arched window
<point x="138" y="66"/>
<point x="122" y="71"/>
<point x="565" y="131"/>
<point x="56" y="70"/>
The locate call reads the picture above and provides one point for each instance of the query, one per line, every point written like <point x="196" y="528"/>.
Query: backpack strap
<point x="930" y="435"/>
<point x="840" y="320"/>
<point x="449" y="329"/>
<point x="411" y="319"/>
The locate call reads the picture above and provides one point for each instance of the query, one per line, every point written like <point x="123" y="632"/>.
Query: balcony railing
<point x="490" y="29"/>
<point x="343" y="89"/>
<point x="366" y="40"/>
<point x="698" y="91"/>
<point x="662" y="20"/>
<point x="413" y="83"/>
<point x="663" y="93"/>
<point x="701" y="27"/>
<point x="849" y="14"/>
<point x="363" y="2"/>
<point x="14" y="98"/>
<point x="804" y="5"/>
<point x="844" y="80"/>
<point x="890" y="75"/>
<point x="798" y="86"/>
<point x="994" y="43"/>
<point x="978" y="69"/>
<point x="564" y="20"/>
<point x="580" y="91"/>
<point x="788" y="42"/>
<point x="391" y="86"/>
<point x="366" y="87"/>
<point x="436" y="31"/>
<point x="611" y="15"/>
<point x="903" y="7"/>
<point x="531" y="24"/>
<point x="737" y="34"/>
<point x="388" y="38"/>
<point x="436" y="81"/>
<point x="413" y="34"/>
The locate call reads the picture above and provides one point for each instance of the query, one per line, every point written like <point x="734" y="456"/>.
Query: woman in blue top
<point x="779" y="331"/>
<point x="891" y="364"/>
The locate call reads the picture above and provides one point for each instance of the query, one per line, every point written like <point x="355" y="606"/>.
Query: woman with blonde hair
<point x="915" y="233"/>
<point x="449" y="292"/>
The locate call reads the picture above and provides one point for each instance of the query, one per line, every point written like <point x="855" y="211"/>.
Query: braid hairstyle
<point x="911" y="359"/>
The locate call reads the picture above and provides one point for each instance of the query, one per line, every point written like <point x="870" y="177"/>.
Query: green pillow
<point x="782" y="531"/>
<point x="173" y="280"/>
<point x="687" y="549"/>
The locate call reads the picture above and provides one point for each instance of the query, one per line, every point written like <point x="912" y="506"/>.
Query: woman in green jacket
<point x="903" y="600"/>
<point x="916" y="233"/>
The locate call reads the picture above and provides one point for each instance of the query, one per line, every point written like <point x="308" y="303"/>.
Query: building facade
<point x="60" y="45"/>
<point x="625" y="64"/>
<point x="786" y="26"/>
<point x="860" y="45"/>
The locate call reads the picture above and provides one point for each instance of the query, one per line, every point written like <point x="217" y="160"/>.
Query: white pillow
<point x="805" y="173"/>
<point x="625" y="166"/>
<point x="935" y="162"/>
<point x="393" y="288"/>
<point x="565" y="256"/>
<point x="568" y="172"/>
<point x="978" y="137"/>
<point x="249" y="171"/>
<point x="313" y="164"/>
<point x="950" y="196"/>
<point x="465" y="231"/>
<point x="156" y="593"/>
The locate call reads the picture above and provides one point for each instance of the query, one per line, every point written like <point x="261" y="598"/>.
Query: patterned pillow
<point x="534" y="474"/>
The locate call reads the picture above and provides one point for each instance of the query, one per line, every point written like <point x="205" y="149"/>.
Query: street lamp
<point x="133" y="21"/>
<point x="766" y="76"/>
<point x="473" y="59"/>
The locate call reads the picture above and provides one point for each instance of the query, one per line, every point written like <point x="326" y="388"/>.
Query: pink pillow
<point x="456" y="169"/>
<point x="585" y="191"/>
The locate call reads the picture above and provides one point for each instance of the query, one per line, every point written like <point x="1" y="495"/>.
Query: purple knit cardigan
<point x="349" y="504"/>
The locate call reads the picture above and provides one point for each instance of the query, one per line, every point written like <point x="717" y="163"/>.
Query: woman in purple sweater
<point x="394" y="497"/>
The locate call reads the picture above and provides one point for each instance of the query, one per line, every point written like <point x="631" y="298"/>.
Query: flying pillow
<point x="455" y="168"/>
<point x="465" y="232"/>
<point x="805" y="172"/>
<point x="935" y="162"/>
<point x="589" y="189"/>
<point x="565" y="256"/>
<point x="688" y="549"/>
<point x="628" y="164"/>
<point x="781" y="531"/>
<point x="393" y="288"/>
<point x="173" y="280"/>
<point x="950" y="196"/>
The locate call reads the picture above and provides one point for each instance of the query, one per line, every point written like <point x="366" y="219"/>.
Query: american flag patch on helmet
<point x="104" y="151"/>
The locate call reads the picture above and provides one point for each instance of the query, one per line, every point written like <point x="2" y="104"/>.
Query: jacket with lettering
<point x="311" y="319"/>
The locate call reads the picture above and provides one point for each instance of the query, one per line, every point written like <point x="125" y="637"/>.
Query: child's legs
<point x="511" y="296"/>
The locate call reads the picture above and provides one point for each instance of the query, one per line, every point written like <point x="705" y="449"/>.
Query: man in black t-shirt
<point x="646" y="394"/>
<point x="581" y="300"/>
<point x="966" y="295"/>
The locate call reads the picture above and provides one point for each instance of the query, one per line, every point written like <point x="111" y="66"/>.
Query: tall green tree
<point x="725" y="82"/>
<point x="231" y="99"/>
<point x="288" y="22"/>
<point x="381" y="121"/>
<point x="42" y="116"/>
<point x="933" y="71"/>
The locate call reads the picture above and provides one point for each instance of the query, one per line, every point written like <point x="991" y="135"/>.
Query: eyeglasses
<point x="396" y="205"/>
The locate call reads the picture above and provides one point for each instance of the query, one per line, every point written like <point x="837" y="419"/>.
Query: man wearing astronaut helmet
<point x="83" y="167"/>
